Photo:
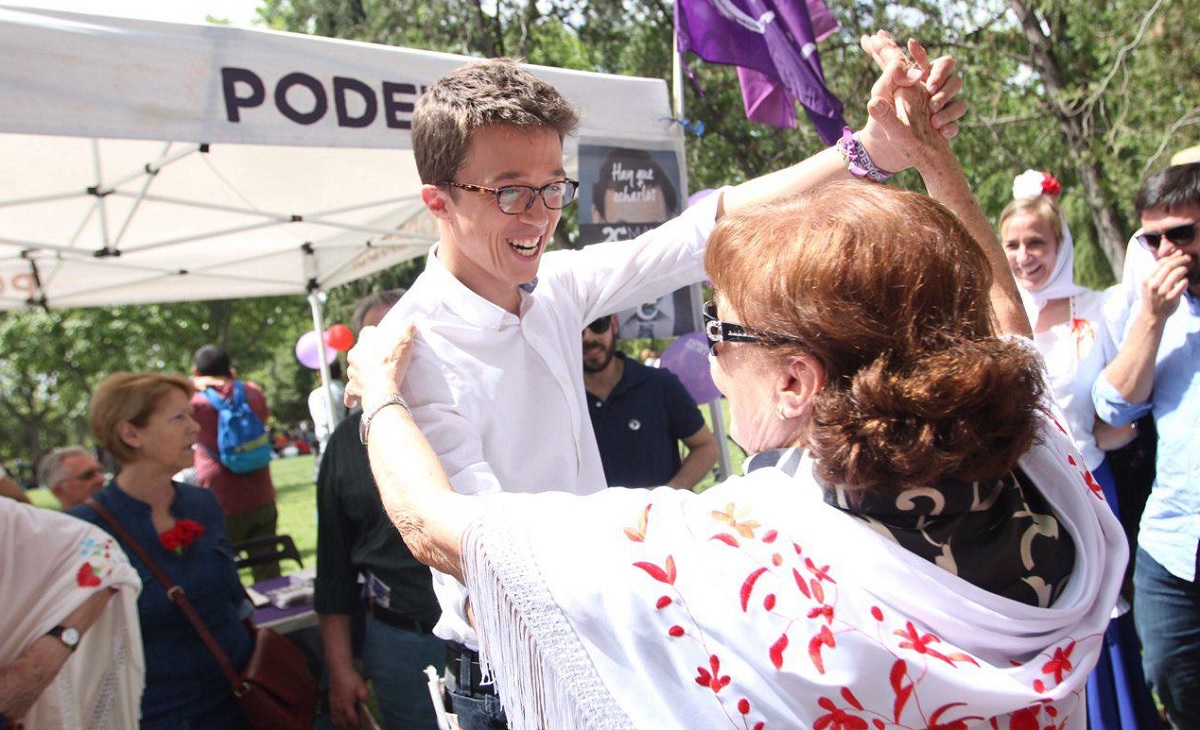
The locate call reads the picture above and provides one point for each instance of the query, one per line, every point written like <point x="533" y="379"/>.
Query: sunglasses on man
<point x="600" y="326"/>
<point x="1179" y="236"/>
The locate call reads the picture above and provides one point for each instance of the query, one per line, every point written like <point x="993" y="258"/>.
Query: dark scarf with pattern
<point x="1000" y="536"/>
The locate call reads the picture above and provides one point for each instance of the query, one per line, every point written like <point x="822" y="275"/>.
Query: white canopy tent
<point x="152" y="162"/>
<point x="148" y="162"/>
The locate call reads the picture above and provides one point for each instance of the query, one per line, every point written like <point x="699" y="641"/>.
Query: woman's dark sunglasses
<point x="600" y="326"/>
<point x="1179" y="235"/>
<point x="718" y="332"/>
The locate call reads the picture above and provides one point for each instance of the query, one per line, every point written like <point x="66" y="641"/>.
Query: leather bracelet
<point x="858" y="162"/>
<point x="368" y="415"/>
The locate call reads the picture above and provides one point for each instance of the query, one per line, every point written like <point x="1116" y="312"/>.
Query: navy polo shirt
<point x="639" y="427"/>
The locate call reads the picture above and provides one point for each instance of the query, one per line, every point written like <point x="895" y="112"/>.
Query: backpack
<point x="242" y="442"/>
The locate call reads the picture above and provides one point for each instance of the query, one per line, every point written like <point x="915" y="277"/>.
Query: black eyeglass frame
<point x="1179" y="235"/>
<point x="534" y="193"/>
<point x="718" y="331"/>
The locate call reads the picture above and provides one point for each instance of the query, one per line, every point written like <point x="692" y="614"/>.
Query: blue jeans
<point x="1167" y="611"/>
<point x="478" y="712"/>
<point x="395" y="660"/>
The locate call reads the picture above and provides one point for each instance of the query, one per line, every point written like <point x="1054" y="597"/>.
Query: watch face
<point x="70" y="637"/>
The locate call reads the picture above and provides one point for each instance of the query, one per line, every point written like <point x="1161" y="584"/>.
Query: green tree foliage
<point x="1100" y="93"/>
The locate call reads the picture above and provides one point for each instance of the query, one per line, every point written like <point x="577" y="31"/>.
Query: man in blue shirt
<point x="640" y="414"/>
<point x="1157" y="370"/>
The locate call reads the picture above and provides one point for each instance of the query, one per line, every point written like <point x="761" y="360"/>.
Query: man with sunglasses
<point x="1157" y="370"/>
<point x="496" y="382"/>
<point x="72" y="474"/>
<point x="640" y="414"/>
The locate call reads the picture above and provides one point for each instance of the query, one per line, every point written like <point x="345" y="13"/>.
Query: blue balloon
<point x="687" y="357"/>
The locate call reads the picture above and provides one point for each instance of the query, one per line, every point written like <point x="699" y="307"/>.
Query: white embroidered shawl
<point x="49" y="564"/>
<point x="756" y="605"/>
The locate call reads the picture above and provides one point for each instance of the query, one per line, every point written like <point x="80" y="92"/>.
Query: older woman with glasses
<point x="915" y="545"/>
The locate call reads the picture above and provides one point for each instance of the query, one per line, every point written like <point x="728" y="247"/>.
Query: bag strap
<point x="175" y="594"/>
<point x="215" y="399"/>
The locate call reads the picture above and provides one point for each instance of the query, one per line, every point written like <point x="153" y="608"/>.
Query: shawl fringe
<point x="545" y="678"/>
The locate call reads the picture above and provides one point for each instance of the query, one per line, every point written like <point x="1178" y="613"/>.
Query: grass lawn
<point x="296" y="499"/>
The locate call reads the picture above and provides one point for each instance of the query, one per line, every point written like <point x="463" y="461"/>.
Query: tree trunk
<point x="1106" y="218"/>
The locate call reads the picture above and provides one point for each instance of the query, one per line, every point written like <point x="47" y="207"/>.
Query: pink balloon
<point x="687" y="357"/>
<point x="308" y="351"/>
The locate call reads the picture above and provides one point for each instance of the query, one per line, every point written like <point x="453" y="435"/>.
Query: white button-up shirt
<point x="500" y="397"/>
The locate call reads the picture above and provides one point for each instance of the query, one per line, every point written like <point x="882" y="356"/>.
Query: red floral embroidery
<point x="183" y="534"/>
<point x="748" y="586"/>
<point x="837" y="719"/>
<point x="714" y="680"/>
<point x="662" y="575"/>
<point x="638" y="534"/>
<point x="824" y="637"/>
<point x="731" y="517"/>
<point x="900" y="689"/>
<point x="961" y="723"/>
<point x="1060" y="663"/>
<point x="86" y="576"/>
<point x="921" y="643"/>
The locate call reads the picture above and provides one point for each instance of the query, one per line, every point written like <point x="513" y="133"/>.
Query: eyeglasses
<point x="516" y="199"/>
<point x="600" y="326"/>
<point x="718" y="332"/>
<point x="87" y="474"/>
<point x="1179" y="235"/>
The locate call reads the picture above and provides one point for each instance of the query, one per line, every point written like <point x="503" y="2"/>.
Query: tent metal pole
<point x="724" y="466"/>
<point x="316" y="302"/>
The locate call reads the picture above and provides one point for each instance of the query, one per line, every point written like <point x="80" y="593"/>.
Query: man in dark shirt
<point x="355" y="536"/>
<point x="639" y="415"/>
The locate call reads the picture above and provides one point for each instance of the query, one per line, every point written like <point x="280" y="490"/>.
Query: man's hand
<point x="378" y="363"/>
<point x="1163" y="287"/>
<point x="204" y="382"/>
<point x="347" y="689"/>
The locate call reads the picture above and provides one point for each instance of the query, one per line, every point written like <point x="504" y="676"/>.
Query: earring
<point x="783" y="416"/>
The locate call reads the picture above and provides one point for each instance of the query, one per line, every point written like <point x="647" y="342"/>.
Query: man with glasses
<point x="640" y="414"/>
<point x="496" y="382"/>
<point x="1157" y="370"/>
<point x="72" y="474"/>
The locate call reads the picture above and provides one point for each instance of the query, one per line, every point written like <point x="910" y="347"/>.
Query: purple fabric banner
<point x="774" y="45"/>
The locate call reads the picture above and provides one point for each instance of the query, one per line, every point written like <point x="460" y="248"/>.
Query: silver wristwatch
<point x="68" y="635"/>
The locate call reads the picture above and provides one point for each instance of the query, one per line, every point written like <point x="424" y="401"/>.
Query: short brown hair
<point x="479" y="94"/>
<point x="128" y="397"/>
<point x="1042" y="206"/>
<point x="889" y="292"/>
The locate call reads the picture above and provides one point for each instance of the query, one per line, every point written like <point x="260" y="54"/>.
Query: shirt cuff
<point x="1112" y="408"/>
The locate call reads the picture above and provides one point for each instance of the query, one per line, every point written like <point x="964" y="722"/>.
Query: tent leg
<point x="316" y="302"/>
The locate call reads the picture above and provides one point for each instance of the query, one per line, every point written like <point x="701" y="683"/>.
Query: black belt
<point x="385" y="615"/>
<point x="464" y="665"/>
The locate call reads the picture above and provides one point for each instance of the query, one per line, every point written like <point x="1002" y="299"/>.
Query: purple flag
<point x="774" y="45"/>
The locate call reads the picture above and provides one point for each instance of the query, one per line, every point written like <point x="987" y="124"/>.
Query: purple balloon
<point x="308" y="351"/>
<point x="699" y="195"/>
<point x="687" y="357"/>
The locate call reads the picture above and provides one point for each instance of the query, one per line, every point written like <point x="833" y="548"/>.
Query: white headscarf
<point x="1061" y="285"/>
